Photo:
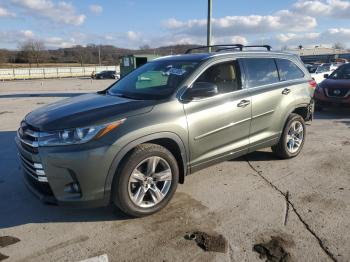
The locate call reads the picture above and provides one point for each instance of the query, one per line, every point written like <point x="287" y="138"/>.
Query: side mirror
<point x="201" y="90"/>
<point x="326" y="75"/>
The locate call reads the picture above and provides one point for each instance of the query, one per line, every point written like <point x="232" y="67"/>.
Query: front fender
<point x="120" y="155"/>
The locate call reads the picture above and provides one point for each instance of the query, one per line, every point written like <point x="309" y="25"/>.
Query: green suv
<point x="132" y="143"/>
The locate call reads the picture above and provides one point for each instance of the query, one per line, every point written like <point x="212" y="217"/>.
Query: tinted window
<point x="260" y="71"/>
<point x="154" y="80"/>
<point x="342" y="72"/>
<point x="225" y="75"/>
<point x="288" y="70"/>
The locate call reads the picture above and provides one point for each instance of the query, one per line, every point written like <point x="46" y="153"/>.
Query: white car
<point x="321" y="70"/>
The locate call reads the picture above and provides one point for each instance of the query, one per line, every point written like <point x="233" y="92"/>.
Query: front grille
<point x="33" y="169"/>
<point x="28" y="137"/>
<point x="338" y="92"/>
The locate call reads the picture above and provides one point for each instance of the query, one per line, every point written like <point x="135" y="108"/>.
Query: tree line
<point x="34" y="53"/>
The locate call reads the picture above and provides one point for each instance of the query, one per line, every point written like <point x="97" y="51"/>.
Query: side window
<point x="260" y="71"/>
<point x="288" y="70"/>
<point x="225" y="75"/>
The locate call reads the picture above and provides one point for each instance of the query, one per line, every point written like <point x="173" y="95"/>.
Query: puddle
<point x="3" y="257"/>
<point x="8" y="240"/>
<point x="207" y="242"/>
<point x="273" y="250"/>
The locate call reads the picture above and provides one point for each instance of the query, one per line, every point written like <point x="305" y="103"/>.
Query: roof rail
<point x="213" y="46"/>
<point x="227" y="47"/>
<point x="268" y="47"/>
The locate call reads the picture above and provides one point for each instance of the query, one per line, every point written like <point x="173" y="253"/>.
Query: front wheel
<point x="292" y="138"/>
<point x="147" y="180"/>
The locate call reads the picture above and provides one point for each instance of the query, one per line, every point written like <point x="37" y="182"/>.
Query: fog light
<point x="72" y="188"/>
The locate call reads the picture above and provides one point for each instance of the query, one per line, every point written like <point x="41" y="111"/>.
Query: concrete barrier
<point x="52" y="72"/>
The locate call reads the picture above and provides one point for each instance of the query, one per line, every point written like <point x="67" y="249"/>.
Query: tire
<point x="286" y="148"/>
<point x="136" y="177"/>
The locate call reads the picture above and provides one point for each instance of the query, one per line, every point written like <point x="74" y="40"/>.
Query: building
<point x="321" y="54"/>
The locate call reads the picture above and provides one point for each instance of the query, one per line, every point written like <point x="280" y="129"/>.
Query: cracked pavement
<point x="243" y="199"/>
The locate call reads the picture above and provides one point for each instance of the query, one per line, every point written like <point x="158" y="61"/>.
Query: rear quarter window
<point x="288" y="70"/>
<point x="260" y="71"/>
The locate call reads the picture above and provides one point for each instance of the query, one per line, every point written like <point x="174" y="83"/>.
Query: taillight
<point x="312" y="84"/>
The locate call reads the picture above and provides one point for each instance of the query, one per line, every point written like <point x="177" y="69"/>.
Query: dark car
<point x="335" y="89"/>
<point x="107" y="75"/>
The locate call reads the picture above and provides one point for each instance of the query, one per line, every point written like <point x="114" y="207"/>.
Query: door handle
<point x="243" y="103"/>
<point x="286" y="91"/>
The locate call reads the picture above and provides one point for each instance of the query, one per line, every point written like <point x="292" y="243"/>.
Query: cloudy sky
<point x="132" y="23"/>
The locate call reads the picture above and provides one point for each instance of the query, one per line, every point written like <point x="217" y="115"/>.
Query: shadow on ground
<point x="333" y="113"/>
<point x="18" y="206"/>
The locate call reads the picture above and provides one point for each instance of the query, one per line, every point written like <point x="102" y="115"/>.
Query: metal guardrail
<point x="52" y="72"/>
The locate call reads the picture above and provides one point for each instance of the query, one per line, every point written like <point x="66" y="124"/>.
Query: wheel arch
<point x="299" y="109"/>
<point x="169" y="140"/>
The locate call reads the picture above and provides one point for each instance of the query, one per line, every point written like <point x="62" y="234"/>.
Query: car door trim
<point x="263" y="114"/>
<point x="222" y="128"/>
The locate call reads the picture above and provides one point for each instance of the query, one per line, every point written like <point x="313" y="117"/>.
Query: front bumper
<point x="85" y="166"/>
<point x="322" y="100"/>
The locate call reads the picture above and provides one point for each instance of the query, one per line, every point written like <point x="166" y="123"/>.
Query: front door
<point x="219" y="125"/>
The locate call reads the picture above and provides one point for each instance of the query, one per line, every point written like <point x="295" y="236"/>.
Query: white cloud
<point x="133" y="36"/>
<point x="289" y="37"/>
<point x="58" y="42"/>
<point x="326" y="38"/>
<point x="6" y="13"/>
<point x="96" y="9"/>
<point x="13" y="38"/>
<point x="320" y="8"/>
<point x="27" y="33"/>
<point x="60" y="12"/>
<point x="236" y="25"/>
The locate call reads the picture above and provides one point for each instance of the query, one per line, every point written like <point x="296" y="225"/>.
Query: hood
<point x="335" y="83"/>
<point x="86" y="110"/>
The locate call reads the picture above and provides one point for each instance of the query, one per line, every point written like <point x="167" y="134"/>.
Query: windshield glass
<point x="154" y="80"/>
<point x="342" y="72"/>
<point x="323" y="68"/>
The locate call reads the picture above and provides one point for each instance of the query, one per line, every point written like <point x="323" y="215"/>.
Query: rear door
<point x="271" y="99"/>
<point x="219" y="126"/>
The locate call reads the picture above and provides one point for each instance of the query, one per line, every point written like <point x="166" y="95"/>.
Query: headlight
<point x="76" y="135"/>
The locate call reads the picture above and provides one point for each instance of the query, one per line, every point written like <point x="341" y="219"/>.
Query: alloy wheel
<point x="295" y="136"/>
<point x="150" y="182"/>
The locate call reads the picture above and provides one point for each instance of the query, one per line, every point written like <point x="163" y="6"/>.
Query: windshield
<point x="342" y="72"/>
<point x="154" y="80"/>
<point x="323" y="68"/>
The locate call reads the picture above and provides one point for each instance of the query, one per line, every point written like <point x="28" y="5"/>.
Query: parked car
<point x="132" y="143"/>
<point x="107" y="75"/>
<point x="335" y="89"/>
<point x="320" y="71"/>
<point x="311" y="68"/>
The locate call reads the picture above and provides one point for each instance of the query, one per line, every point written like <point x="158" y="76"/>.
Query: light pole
<point x="209" y="24"/>
<point x="99" y="54"/>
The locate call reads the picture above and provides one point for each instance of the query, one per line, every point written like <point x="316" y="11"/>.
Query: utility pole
<point x="99" y="54"/>
<point x="209" y="24"/>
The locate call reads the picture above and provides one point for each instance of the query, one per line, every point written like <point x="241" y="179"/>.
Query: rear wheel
<point x="147" y="180"/>
<point x="292" y="138"/>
